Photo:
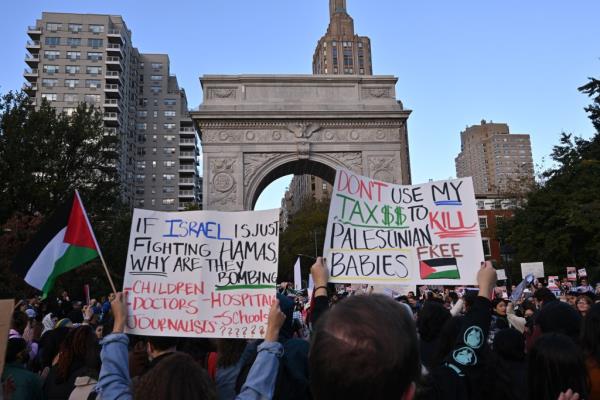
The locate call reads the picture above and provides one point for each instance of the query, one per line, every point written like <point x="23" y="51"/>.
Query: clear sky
<point x="458" y="62"/>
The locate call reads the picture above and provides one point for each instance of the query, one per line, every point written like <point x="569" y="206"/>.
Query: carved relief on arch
<point x="349" y="160"/>
<point x="223" y="186"/>
<point x="381" y="168"/>
<point x="254" y="162"/>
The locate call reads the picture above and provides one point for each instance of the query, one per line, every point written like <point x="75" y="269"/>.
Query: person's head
<point x="453" y="297"/>
<point x="590" y="333"/>
<point x="157" y="345"/>
<point x="572" y="299"/>
<point x="559" y="317"/>
<point x="499" y="306"/>
<point x="432" y="316"/>
<point x="19" y="321"/>
<point x="556" y="364"/>
<point x="543" y="296"/>
<point x="509" y="344"/>
<point x="364" y="347"/>
<point x="584" y="303"/>
<point x="230" y="351"/>
<point x="16" y="351"/>
<point x="584" y="282"/>
<point x="79" y="347"/>
<point x="178" y="376"/>
<point x="99" y="331"/>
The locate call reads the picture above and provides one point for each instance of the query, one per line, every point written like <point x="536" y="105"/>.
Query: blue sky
<point x="512" y="61"/>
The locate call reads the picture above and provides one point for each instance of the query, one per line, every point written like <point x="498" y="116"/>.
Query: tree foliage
<point x="559" y="223"/>
<point x="44" y="157"/>
<point x="307" y="228"/>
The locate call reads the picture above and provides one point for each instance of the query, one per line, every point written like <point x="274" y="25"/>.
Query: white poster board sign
<point x="535" y="268"/>
<point x="201" y="273"/>
<point x="381" y="233"/>
<point x="501" y="273"/>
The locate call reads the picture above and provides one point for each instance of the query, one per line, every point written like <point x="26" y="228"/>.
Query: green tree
<point x="559" y="223"/>
<point x="44" y="157"/>
<point x="306" y="229"/>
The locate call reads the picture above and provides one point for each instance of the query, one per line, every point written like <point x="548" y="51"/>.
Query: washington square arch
<point x="257" y="128"/>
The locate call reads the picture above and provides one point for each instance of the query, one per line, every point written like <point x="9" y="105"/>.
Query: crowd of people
<point x="326" y="343"/>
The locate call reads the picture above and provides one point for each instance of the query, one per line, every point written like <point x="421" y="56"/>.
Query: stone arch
<point x="321" y="165"/>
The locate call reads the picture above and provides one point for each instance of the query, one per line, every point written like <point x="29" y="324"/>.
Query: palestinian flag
<point x="65" y="242"/>
<point x="439" y="268"/>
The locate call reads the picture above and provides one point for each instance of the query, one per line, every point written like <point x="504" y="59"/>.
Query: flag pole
<point x="112" y="284"/>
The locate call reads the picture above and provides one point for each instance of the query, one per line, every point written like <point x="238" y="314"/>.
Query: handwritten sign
<point x="534" y="268"/>
<point x="381" y="233"/>
<point x="553" y="282"/>
<point x="582" y="273"/>
<point x="201" y="273"/>
<point x="6" y="311"/>
<point x="501" y="273"/>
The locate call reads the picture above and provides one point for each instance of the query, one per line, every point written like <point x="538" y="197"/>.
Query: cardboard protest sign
<point x="6" y="311"/>
<point x="201" y="273"/>
<point x="534" y="268"/>
<point x="381" y="233"/>
<point x="582" y="273"/>
<point x="572" y="274"/>
<point x="501" y="274"/>
<point x="553" y="282"/>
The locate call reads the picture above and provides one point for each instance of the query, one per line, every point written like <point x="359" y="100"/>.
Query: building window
<point x="142" y="114"/>
<point x="69" y="110"/>
<point x="72" y="69"/>
<point x="140" y="164"/>
<point x="169" y="126"/>
<point x="168" y="189"/>
<point x="157" y="65"/>
<point x="170" y="102"/>
<point x="93" y="70"/>
<point x="51" y="54"/>
<point x="95" y="43"/>
<point x="483" y="222"/>
<point x="71" y="83"/>
<point x="71" y="98"/>
<point x="169" y="164"/>
<point x="49" y="96"/>
<point x="139" y="178"/>
<point x="169" y="138"/>
<point x="169" y="150"/>
<point x="94" y="56"/>
<point x="73" y="55"/>
<point x="96" y="28"/>
<point x="92" y="98"/>
<point x="324" y="187"/>
<point x="73" y="42"/>
<point x="168" y="177"/>
<point x="46" y="82"/>
<point x="485" y="242"/>
<point x="168" y="202"/>
<point x="170" y="113"/>
<point x="155" y="89"/>
<point x="93" y="83"/>
<point x="143" y="102"/>
<point x="51" y="69"/>
<point x="52" y="40"/>
<point x="499" y="219"/>
<point x="141" y="126"/>
<point x="53" y="26"/>
<point x="75" y="28"/>
<point x="156" y="77"/>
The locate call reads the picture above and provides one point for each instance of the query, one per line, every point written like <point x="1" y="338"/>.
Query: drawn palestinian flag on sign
<point x="439" y="268"/>
<point x="65" y="242"/>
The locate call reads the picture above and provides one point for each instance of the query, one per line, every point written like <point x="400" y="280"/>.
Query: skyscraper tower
<point x="341" y="51"/>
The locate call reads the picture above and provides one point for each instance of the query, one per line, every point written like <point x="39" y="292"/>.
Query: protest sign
<point x="381" y="233"/>
<point x="201" y="273"/>
<point x="553" y="282"/>
<point x="501" y="273"/>
<point x="572" y="274"/>
<point x="297" y="275"/>
<point x="6" y="311"/>
<point x="582" y="273"/>
<point x="534" y="268"/>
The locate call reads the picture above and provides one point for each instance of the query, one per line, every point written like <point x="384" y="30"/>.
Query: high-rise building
<point x="90" y="58"/>
<point x="499" y="162"/>
<point x="341" y="51"/>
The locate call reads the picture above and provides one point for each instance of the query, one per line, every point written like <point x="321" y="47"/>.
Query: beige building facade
<point x="499" y="162"/>
<point x="340" y="51"/>
<point x="74" y="58"/>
